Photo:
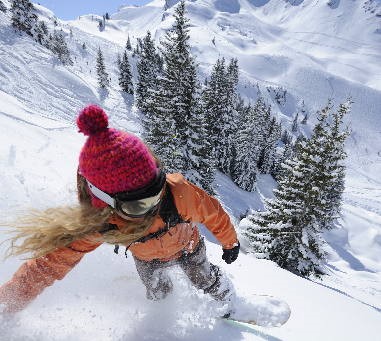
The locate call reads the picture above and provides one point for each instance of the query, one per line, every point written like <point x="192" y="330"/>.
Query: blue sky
<point x="71" y="9"/>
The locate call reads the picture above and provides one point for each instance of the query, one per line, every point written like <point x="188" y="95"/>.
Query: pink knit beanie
<point x="112" y="160"/>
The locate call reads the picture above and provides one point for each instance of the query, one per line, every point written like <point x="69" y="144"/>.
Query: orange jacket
<point x="193" y="205"/>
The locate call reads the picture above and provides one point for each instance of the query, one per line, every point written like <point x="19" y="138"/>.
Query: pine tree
<point x="328" y="161"/>
<point x="287" y="153"/>
<point x="295" y="123"/>
<point x="267" y="156"/>
<point x="103" y="77"/>
<point x="299" y="140"/>
<point x="59" y="47"/>
<point x="128" y="44"/>
<point x="305" y="119"/>
<point x="159" y="135"/>
<point x="304" y="114"/>
<point x="40" y="33"/>
<point x="335" y="189"/>
<point x="125" y="76"/>
<point x="23" y="16"/>
<point x="288" y="232"/>
<point x="286" y="137"/>
<point x="138" y="47"/>
<point x="267" y="136"/>
<point x="2" y="7"/>
<point x="179" y="79"/>
<point x="229" y="119"/>
<point x="148" y="72"/>
<point x="220" y="100"/>
<point x="213" y="105"/>
<point x="176" y="98"/>
<point x="246" y="145"/>
<point x="102" y="23"/>
<point x="201" y="163"/>
<point x="307" y="201"/>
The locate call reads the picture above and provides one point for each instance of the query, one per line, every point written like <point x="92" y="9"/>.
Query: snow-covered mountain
<point x="315" y="49"/>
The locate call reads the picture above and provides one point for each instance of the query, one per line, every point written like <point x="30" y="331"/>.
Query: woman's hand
<point x="230" y="255"/>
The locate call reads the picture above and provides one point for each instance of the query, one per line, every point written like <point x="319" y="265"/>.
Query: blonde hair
<point x="40" y="232"/>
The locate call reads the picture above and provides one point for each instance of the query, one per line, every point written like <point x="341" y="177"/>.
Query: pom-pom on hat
<point x="112" y="160"/>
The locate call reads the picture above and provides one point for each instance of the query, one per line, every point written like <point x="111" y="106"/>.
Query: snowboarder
<point x="125" y="198"/>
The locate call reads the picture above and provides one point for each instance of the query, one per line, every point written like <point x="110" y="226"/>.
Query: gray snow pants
<point x="203" y="275"/>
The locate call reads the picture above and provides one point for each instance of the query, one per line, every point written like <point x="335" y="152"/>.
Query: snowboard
<point x="259" y="310"/>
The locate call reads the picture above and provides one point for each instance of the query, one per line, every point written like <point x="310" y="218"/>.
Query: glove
<point x="230" y="255"/>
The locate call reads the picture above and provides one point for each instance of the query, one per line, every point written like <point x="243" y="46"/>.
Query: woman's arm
<point x="196" y="205"/>
<point x="36" y="274"/>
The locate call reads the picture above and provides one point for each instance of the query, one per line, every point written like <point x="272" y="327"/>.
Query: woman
<point x="125" y="199"/>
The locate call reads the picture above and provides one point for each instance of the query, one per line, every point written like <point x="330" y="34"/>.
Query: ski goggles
<point x="134" y="204"/>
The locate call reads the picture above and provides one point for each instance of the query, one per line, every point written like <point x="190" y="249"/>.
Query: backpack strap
<point x="170" y="215"/>
<point x="168" y="210"/>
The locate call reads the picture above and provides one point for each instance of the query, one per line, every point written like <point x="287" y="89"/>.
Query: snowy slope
<point x="313" y="50"/>
<point x="31" y="74"/>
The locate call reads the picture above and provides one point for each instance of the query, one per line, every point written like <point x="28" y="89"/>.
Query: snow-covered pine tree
<point x="24" y="17"/>
<point x="286" y="137"/>
<point x="128" y="44"/>
<point x="103" y="77"/>
<point x="159" y="135"/>
<point x="125" y="76"/>
<point x="201" y="163"/>
<point x="319" y="161"/>
<point x="102" y="23"/>
<point x="268" y="135"/>
<point x="2" y="7"/>
<point x="328" y="161"/>
<point x="303" y="113"/>
<point x="267" y="157"/>
<point x="138" y="47"/>
<point x="300" y="138"/>
<point x="59" y="47"/>
<point x="288" y="231"/>
<point x="305" y="119"/>
<point x="240" y="108"/>
<point x="40" y="33"/>
<point x="308" y="199"/>
<point x="148" y="67"/>
<point x="220" y="100"/>
<point x="213" y="105"/>
<point x="335" y="188"/>
<point x="286" y="154"/>
<point x="247" y="147"/>
<point x="176" y="97"/>
<point x="229" y="119"/>
<point x="295" y="123"/>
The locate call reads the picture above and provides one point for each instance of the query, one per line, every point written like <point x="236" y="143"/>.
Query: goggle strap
<point x="101" y="195"/>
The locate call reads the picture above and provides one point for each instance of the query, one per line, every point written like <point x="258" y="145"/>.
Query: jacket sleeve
<point x="196" y="205"/>
<point x="36" y="274"/>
